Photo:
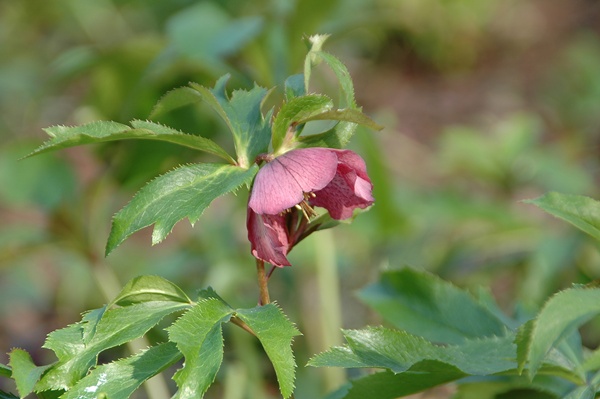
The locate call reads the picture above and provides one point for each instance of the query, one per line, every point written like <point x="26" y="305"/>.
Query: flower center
<point x="306" y="209"/>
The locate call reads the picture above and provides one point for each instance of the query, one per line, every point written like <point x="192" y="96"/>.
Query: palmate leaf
<point x="425" y="305"/>
<point x="275" y="332"/>
<point x="559" y="318"/>
<point x="103" y="131"/>
<point x="182" y="193"/>
<point x="116" y="327"/>
<point x="119" y="379"/>
<point x="198" y="335"/>
<point x="242" y="114"/>
<point x="582" y="212"/>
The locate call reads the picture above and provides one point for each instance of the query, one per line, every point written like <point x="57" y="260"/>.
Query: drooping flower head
<point x="295" y="182"/>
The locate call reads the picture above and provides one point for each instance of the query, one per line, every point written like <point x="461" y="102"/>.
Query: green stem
<point x="262" y="283"/>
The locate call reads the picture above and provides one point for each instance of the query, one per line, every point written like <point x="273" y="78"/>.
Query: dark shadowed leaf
<point x="425" y="305"/>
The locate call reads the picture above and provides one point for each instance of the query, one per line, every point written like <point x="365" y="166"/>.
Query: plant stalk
<point x="262" y="283"/>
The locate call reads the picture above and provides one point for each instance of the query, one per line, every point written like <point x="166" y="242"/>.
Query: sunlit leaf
<point x="275" y="333"/>
<point x="561" y="315"/>
<point x="198" y="335"/>
<point x="117" y="326"/>
<point x="242" y="113"/>
<point x="103" y="131"/>
<point x="119" y="379"/>
<point x="425" y="305"/>
<point x="297" y="111"/>
<point x="25" y="373"/>
<point x="182" y="193"/>
<point x="150" y="288"/>
<point x="582" y="212"/>
<point x="415" y="363"/>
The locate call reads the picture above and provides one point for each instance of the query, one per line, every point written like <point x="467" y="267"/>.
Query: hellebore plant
<point x="289" y="175"/>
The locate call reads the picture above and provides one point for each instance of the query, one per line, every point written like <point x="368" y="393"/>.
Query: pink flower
<point x="296" y="181"/>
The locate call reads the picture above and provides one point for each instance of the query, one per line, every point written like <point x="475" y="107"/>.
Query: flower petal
<point x="281" y="183"/>
<point x="349" y="189"/>
<point x="269" y="238"/>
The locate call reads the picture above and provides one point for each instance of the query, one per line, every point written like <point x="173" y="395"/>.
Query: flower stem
<point x="262" y="283"/>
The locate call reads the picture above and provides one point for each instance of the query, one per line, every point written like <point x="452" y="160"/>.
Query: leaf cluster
<point x="196" y="337"/>
<point x="442" y="333"/>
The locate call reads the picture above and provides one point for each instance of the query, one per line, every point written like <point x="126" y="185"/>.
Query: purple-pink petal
<point x="349" y="189"/>
<point x="269" y="238"/>
<point x="281" y="183"/>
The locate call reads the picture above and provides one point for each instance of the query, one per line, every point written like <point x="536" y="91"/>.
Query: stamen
<point x="306" y="210"/>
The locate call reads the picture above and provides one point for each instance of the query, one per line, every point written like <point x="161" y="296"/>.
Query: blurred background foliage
<point x="485" y="103"/>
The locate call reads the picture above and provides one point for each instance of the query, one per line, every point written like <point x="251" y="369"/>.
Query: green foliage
<point x="275" y="332"/>
<point x="582" y="212"/>
<point x="102" y="131"/>
<point x="447" y="334"/>
<point x="199" y="337"/>
<point x="430" y="307"/>
<point x="119" y="379"/>
<point x="196" y="336"/>
<point x="182" y="193"/>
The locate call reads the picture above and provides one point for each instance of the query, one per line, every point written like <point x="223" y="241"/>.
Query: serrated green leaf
<point x="315" y="44"/>
<point x="184" y="192"/>
<point x="171" y="135"/>
<point x="242" y="113"/>
<point x="398" y="351"/>
<point x="275" y="332"/>
<point x="560" y="316"/>
<point x="340" y="134"/>
<point x="174" y="99"/>
<point x="294" y="87"/>
<point x="295" y="112"/>
<point x="25" y="373"/>
<point x="119" y="379"/>
<point x="116" y="327"/>
<point x="582" y="212"/>
<point x="150" y="288"/>
<point x="104" y="131"/>
<point x="90" y="322"/>
<point x="425" y="305"/>
<point x="198" y="335"/>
